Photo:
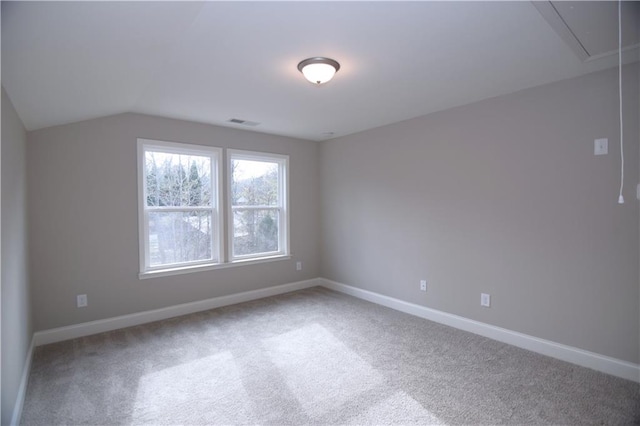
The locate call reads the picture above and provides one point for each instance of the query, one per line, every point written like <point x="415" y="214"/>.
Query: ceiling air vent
<point x="243" y="122"/>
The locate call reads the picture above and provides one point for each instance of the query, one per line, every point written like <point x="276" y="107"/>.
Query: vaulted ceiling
<point x="215" y="61"/>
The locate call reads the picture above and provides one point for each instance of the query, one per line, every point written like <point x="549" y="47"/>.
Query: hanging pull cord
<point x="620" y="197"/>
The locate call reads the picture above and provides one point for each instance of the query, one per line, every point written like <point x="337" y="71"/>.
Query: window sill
<point x="209" y="267"/>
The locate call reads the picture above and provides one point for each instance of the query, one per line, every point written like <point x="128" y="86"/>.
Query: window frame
<point x="283" y="207"/>
<point x="217" y="219"/>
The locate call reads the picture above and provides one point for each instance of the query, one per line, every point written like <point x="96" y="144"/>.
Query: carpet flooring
<point x="312" y="357"/>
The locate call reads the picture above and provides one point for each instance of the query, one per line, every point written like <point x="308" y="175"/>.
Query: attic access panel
<point x="590" y="28"/>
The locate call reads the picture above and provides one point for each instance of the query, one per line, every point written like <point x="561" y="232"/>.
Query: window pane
<point x="177" y="180"/>
<point x="255" y="231"/>
<point x="176" y="237"/>
<point x="254" y="183"/>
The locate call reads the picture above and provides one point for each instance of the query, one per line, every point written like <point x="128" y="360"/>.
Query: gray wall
<point x="84" y="223"/>
<point x="16" y="309"/>
<point x="502" y="196"/>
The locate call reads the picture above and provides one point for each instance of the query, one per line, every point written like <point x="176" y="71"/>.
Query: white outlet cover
<point x="81" y="300"/>
<point x="485" y="299"/>
<point x="601" y="146"/>
<point x="423" y="285"/>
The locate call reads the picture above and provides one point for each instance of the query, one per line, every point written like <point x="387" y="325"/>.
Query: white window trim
<point x="211" y="267"/>
<point x="217" y="217"/>
<point x="283" y="196"/>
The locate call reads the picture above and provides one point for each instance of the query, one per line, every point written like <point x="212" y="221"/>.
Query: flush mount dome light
<point x="318" y="70"/>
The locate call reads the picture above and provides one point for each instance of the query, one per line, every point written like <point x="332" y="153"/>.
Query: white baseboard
<point x="22" y="390"/>
<point x="109" y="324"/>
<point x="605" y="364"/>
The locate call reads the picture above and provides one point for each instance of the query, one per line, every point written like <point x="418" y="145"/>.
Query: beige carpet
<point x="312" y="357"/>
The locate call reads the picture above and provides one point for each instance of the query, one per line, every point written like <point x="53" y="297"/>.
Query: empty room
<point x="292" y="213"/>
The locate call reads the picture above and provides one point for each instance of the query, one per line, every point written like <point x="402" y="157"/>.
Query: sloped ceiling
<point x="213" y="61"/>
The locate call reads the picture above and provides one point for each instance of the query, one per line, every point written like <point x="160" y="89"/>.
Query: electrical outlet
<point x="485" y="300"/>
<point x="423" y="285"/>
<point x="601" y="146"/>
<point x="81" y="300"/>
<point x="298" y="266"/>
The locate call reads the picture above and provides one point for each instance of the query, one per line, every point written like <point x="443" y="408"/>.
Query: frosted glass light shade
<point x="318" y="70"/>
<point x="318" y="73"/>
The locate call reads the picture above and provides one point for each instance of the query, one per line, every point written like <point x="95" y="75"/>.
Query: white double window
<point x="181" y="212"/>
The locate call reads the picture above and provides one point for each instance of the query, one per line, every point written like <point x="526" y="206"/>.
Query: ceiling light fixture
<point x="318" y="70"/>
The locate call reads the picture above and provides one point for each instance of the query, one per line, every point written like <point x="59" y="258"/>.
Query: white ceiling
<point x="209" y="62"/>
